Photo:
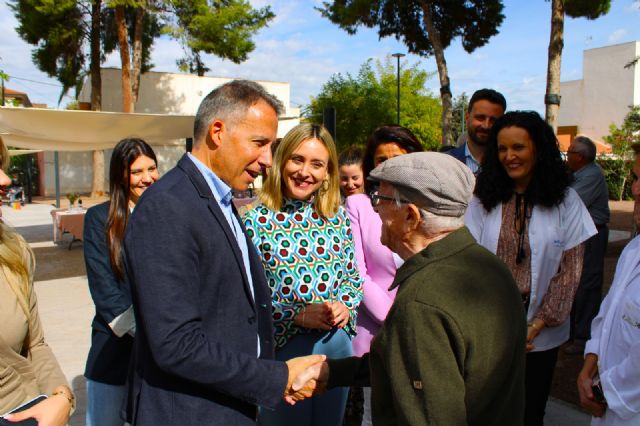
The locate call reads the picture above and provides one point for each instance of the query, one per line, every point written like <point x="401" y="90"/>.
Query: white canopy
<point x="67" y="130"/>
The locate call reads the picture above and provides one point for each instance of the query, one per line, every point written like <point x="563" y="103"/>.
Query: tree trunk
<point x="137" y="52"/>
<point x="123" y="43"/>
<point x="443" y="73"/>
<point x="556" y="43"/>
<point x="94" y="66"/>
<point x="97" y="183"/>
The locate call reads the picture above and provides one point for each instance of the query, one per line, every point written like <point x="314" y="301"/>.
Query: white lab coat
<point x="615" y="338"/>
<point x="552" y="231"/>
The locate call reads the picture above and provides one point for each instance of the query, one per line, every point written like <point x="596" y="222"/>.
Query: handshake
<point x="308" y="376"/>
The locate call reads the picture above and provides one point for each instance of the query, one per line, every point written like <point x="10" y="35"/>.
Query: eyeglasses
<point x="376" y="198"/>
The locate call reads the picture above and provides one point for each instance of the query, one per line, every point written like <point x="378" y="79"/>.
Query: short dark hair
<point x="393" y="133"/>
<point x="550" y="175"/>
<point x="351" y="155"/>
<point x="586" y="147"/>
<point x="490" y="95"/>
<point x="228" y="101"/>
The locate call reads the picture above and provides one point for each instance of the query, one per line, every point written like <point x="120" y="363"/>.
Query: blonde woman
<point x="304" y="238"/>
<point x="28" y="367"/>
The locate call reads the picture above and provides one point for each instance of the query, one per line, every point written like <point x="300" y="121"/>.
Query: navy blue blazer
<point x="109" y="354"/>
<point x="458" y="153"/>
<point x="195" y="353"/>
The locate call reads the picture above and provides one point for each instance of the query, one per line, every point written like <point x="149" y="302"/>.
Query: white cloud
<point x="617" y="35"/>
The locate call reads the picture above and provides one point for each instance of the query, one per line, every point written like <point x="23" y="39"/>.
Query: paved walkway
<point x="66" y="308"/>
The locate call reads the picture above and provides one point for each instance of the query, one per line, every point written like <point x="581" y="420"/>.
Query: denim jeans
<point x="104" y="403"/>
<point x="325" y="410"/>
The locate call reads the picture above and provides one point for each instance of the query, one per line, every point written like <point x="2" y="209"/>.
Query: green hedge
<point x="619" y="177"/>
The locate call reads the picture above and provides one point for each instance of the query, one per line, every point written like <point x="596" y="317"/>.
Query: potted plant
<point x="72" y="197"/>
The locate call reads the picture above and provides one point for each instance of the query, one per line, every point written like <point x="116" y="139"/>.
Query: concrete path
<point x="66" y="308"/>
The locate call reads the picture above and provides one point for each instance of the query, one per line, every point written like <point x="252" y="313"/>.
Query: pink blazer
<point x="377" y="267"/>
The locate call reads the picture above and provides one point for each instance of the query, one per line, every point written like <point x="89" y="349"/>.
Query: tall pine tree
<point x="427" y="27"/>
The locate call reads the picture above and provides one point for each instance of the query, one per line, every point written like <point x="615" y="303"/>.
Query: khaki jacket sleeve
<point x="45" y="366"/>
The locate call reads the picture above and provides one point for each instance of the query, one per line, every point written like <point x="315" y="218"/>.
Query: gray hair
<point x="228" y="102"/>
<point x="585" y="147"/>
<point x="432" y="224"/>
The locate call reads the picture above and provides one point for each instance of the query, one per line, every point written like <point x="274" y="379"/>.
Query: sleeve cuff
<point x="124" y="323"/>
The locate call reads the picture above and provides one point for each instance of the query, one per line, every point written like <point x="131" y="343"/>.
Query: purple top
<point x="377" y="267"/>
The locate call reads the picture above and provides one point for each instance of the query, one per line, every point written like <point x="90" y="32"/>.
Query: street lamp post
<point x="398" y="56"/>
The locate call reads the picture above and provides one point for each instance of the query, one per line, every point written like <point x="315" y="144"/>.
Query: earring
<point x="325" y="185"/>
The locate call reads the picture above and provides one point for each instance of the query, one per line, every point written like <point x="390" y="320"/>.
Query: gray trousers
<point x="589" y="295"/>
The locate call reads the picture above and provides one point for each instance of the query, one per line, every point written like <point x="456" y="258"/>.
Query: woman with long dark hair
<point x="525" y="212"/>
<point x="133" y="169"/>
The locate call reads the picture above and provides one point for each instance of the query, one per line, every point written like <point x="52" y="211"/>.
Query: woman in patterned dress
<point x="304" y="238"/>
<point x="525" y="212"/>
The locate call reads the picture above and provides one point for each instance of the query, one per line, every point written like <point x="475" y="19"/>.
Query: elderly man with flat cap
<point x="451" y="350"/>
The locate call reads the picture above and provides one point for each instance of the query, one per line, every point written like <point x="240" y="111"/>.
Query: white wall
<point x="160" y="93"/>
<point x="607" y="90"/>
<point x="171" y="93"/>
<point x="571" y="102"/>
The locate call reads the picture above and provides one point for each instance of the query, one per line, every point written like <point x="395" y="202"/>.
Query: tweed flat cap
<point x="438" y="183"/>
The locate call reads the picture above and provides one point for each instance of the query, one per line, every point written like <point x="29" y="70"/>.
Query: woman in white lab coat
<point x="612" y="356"/>
<point x="524" y="212"/>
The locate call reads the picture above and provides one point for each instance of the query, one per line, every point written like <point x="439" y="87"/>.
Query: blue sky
<point x="301" y="47"/>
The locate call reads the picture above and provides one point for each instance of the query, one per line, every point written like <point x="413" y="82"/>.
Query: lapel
<point x="204" y="191"/>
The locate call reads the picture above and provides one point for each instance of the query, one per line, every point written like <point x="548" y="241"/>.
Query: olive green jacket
<point x="452" y="348"/>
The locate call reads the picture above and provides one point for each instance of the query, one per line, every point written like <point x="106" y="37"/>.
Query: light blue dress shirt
<point x="470" y="160"/>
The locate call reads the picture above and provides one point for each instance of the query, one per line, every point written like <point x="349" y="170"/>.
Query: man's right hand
<point x="298" y="368"/>
<point x="585" y="382"/>
<point x="311" y="382"/>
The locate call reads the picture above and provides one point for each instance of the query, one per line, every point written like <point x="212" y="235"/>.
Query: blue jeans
<point x="325" y="410"/>
<point x="104" y="403"/>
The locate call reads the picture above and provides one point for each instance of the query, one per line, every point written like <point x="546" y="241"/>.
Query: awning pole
<point x="56" y="167"/>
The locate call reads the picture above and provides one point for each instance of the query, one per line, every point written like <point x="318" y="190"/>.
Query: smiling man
<point x="485" y="107"/>
<point x="204" y="346"/>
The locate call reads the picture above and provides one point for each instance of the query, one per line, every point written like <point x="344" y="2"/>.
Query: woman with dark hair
<point x="28" y="367"/>
<point x="133" y="169"/>
<point x="350" y="170"/>
<point x="525" y="212"/>
<point x="376" y="263"/>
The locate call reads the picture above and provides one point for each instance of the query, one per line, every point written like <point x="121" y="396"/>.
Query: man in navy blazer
<point x="203" y="352"/>
<point x="485" y="107"/>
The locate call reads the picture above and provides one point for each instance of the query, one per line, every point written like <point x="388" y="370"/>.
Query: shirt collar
<point x="468" y="154"/>
<point x="221" y="191"/>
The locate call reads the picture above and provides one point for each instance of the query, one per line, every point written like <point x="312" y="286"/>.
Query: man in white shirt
<point x="609" y="382"/>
